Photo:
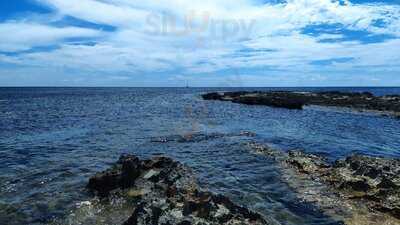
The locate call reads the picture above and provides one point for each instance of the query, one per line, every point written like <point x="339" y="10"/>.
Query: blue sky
<point x="205" y="43"/>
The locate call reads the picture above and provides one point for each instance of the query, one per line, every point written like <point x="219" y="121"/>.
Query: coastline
<point x="211" y="145"/>
<point x="357" y="190"/>
<point x="387" y="105"/>
<point x="358" y="187"/>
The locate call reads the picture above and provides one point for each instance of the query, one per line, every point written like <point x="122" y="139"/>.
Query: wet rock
<point x="273" y="101"/>
<point x="389" y="104"/>
<point x="307" y="163"/>
<point x="152" y="174"/>
<point x="130" y="170"/>
<point x="212" y="96"/>
<point x="376" y="181"/>
<point x="358" y="190"/>
<point x="199" y="137"/>
<point x="123" y="174"/>
<point x="105" y="182"/>
<point x="166" y="192"/>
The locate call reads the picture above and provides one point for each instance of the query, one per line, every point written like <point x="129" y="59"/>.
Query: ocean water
<point x="53" y="139"/>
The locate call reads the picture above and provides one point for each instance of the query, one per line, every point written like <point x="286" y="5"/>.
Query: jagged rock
<point x="123" y="174"/>
<point x="356" y="189"/>
<point x="167" y="193"/>
<point x="130" y="170"/>
<point x="373" y="180"/>
<point x="307" y="163"/>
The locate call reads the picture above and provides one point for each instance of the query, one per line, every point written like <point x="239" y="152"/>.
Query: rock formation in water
<point x="167" y="194"/>
<point x="375" y="180"/>
<point x="370" y="181"/>
<point x="389" y="104"/>
<point x="198" y="137"/>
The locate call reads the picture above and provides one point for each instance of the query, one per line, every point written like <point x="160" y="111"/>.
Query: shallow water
<point x="53" y="139"/>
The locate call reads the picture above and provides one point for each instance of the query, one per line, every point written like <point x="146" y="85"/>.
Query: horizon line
<point x="199" y="87"/>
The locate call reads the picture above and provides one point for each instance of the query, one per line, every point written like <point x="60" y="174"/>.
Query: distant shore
<point x="363" y="101"/>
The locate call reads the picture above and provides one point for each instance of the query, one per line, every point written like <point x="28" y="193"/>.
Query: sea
<point x="53" y="139"/>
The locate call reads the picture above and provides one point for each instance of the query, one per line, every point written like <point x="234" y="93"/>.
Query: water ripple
<point x="53" y="139"/>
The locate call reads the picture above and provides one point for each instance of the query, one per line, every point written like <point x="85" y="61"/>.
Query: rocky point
<point x="365" y="101"/>
<point x="167" y="193"/>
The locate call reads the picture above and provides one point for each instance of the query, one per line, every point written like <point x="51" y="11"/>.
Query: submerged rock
<point x="389" y="104"/>
<point x="199" y="137"/>
<point x="167" y="193"/>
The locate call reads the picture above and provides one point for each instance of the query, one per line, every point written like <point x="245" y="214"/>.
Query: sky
<point x="207" y="43"/>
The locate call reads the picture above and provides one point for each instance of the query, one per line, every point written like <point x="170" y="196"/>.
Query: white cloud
<point x="19" y="36"/>
<point x="103" y="12"/>
<point x="227" y="27"/>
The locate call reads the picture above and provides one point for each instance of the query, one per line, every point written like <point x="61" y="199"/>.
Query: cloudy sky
<point x="203" y="42"/>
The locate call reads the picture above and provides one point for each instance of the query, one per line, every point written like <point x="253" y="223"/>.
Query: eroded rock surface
<point x="357" y="181"/>
<point x="389" y="104"/>
<point x="376" y="180"/>
<point x="167" y="194"/>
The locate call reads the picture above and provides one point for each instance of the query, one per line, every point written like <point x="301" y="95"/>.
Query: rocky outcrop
<point x="389" y="104"/>
<point x="273" y="99"/>
<point x="376" y="181"/>
<point x="370" y="181"/>
<point x="166" y="193"/>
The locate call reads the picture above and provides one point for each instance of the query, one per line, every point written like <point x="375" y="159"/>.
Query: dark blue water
<point x="53" y="139"/>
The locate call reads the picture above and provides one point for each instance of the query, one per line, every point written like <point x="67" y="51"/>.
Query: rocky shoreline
<point x="358" y="190"/>
<point x="167" y="193"/>
<point x="366" y="188"/>
<point x="365" y="101"/>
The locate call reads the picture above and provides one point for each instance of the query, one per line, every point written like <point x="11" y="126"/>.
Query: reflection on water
<point x="53" y="139"/>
